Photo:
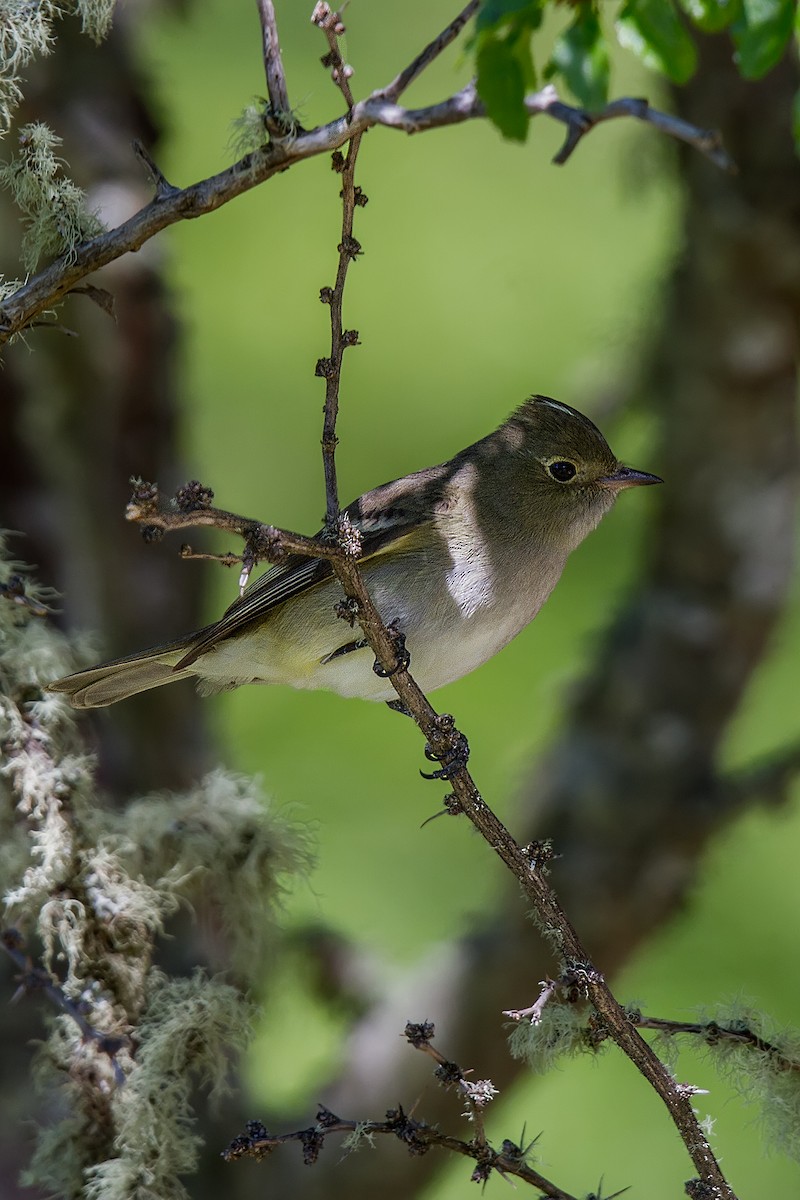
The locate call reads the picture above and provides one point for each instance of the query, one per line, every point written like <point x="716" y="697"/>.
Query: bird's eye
<point x="562" y="471"/>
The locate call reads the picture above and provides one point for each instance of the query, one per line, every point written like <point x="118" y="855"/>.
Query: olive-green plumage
<point x="460" y="556"/>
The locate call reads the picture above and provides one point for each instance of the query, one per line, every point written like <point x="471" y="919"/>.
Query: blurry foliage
<point x="656" y="31"/>
<point x="54" y="208"/>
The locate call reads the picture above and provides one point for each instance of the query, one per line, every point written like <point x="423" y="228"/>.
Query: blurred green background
<point x="488" y="274"/>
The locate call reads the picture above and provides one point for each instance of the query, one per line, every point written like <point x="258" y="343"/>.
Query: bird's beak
<point x="625" y="477"/>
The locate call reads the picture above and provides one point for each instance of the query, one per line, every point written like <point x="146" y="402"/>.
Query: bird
<point x="458" y="557"/>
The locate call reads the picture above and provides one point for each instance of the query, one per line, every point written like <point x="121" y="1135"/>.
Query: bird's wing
<point x="384" y="517"/>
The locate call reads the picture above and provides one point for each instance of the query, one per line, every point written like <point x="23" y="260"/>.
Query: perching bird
<point x="459" y="557"/>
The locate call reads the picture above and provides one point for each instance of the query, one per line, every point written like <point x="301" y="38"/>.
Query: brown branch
<point x="715" y="1031"/>
<point x="477" y="1094"/>
<point x="171" y="204"/>
<point x="580" y="122"/>
<point x="449" y="747"/>
<point x="416" y="1135"/>
<point x="164" y="188"/>
<point x="277" y="119"/>
<point x="395" y="89"/>
<point x="349" y="249"/>
<point x="191" y="509"/>
<point x="331" y="24"/>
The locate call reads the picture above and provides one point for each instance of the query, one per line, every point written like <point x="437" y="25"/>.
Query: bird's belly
<point x="441" y="651"/>
<point x="298" y="643"/>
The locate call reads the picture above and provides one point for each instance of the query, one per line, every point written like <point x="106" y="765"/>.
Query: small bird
<point x="459" y="558"/>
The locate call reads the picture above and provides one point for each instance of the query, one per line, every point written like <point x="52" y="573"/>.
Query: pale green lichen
<point x="361" y="1136"/>
<point x="561" y="1031"/>
<point x="223" y="845"/>
<point x="27" y="31"/>
<point x="248" y="131"/>
<point x="188" y="1031"/>
<point x="95" y="888"/>
<point x="95" y="17"/>
<point x="768" y="1079"/>
<point x="54" y="208"/>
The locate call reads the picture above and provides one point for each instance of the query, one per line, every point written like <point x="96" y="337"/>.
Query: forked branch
<point x="289" y="145"/>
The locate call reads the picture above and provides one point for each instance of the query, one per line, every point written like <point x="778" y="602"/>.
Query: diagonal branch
<point x="416" y="1135"/>
<point x="171" y="205"/>
<point x="449" y="747"/>
<point x="395" y="89"/>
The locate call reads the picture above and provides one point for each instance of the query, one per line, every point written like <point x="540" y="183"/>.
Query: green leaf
<point x="520" y="47"/>
<point x="580" y="57"/>
<point x="501" y="87"/>
<point x="654" y="32"/>
<point x="711" y="15"/>
<point x="496" y="13"/>
<point x="761" y="33"/>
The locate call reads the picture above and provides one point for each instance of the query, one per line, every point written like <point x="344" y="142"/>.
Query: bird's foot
<point x="402" y="657"/>
<point x="450" y="748"/>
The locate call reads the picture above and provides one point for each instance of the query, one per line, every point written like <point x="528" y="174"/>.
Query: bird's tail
<point x="123" y="677"/>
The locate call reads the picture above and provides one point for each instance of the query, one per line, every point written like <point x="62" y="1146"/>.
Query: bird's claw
<point x="453" y="756"/>
<point x="402" y="657"/>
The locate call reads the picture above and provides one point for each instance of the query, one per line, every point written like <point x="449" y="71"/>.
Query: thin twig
<point x="331" y="368"/>
<point x="331" y="24"/>
<point x="477" y="1093"/>
<point x="716" y="1031"/>
<point x="534" y="1011"/>
<point x="417" y="1136"/>
<point x="171" y="204"/>
<point x="190" y="509"/>
<point x="395" y="89"/>
<point x="276" y="118"/>
<point x="449" y="747"/>
<point x="164" y="188"/>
